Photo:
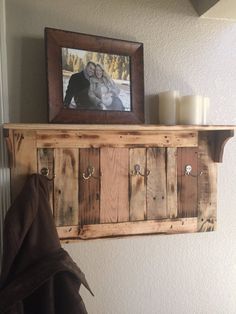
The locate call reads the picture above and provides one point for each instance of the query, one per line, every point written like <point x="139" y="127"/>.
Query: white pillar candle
<point x="190" y="110"/>
<point x="167" y="107"/>
<point x="206" y="106"/>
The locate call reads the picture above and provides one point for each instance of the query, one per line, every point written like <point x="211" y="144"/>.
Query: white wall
<point x="194" y="273"/>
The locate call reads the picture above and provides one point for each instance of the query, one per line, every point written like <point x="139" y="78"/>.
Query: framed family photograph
<point x="93" y="79"/>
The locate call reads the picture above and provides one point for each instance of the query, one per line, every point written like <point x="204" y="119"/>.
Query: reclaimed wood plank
<point x="89" y="189"/>
<point x="187" y="185"/>
<point x="165" y="226"/>
<point x="46" y="160"/>
<point x="68" y="232"/>
<point x="110" y="127"/>
<point x="171" y="182"/>
<point x="114" y="206"/>
<point x="90" y="138"/>
<point x="156" y="183"/>
<point x="66" y="187"/>
<point x="207" y="184"/>
<point x="24" y="159"/>
<point x="137" y="185"/>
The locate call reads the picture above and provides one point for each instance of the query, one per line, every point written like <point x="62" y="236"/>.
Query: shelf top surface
<point x="116" y="127"/>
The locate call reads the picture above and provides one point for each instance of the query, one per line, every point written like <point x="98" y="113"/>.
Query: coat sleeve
<point x="17" y="223"/>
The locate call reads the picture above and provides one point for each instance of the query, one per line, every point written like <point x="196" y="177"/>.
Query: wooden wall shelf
<point x="116" y="180"/>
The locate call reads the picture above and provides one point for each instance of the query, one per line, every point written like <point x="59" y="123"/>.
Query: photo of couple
<point x="88" y="86"/>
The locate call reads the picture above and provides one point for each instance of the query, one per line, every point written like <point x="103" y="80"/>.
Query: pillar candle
<point x="190" y="110"/>
<point x="206" y="106"/>
<point x="167" y="107"/>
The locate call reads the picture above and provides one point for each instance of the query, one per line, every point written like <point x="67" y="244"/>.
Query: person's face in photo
<point x="90" y="69"/>
<point x="98" y="72"/>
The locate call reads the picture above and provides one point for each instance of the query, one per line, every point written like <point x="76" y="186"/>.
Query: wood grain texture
<point x="207" y="185"/>
<point x="24" y="159"/>
<point x="138" y="185"/>
<point x="156" y="183"/>
<point x="171" y="182"/>
<point x="114" y="206"/>
<point x="89" y="190"/>
<point x="46" y="160"/>
<point x="100" y="138"/>
<point x="187" y="185"/>
<point x="165" y="226"/>
<point x="115" y="127"/>
<point x="196" y="196"/>
<point x="68" y="232"/>
<point x="66" y="187"/>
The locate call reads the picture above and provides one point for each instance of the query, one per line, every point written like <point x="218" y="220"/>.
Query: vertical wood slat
<point x="66" y="186"/>
<point x="24" y="160"/>
<point x="46" y="160"/>
<point x="207" y="184"/>
<point x="137" y="185"/>
<point x="114" y="205"/>
<point x="187" y="185"/>
<point x="156" y="183"/>
<point x="171" y="182"/>
<point x="89" y="190"/>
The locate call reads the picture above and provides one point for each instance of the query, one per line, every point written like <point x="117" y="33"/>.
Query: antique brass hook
<point x="188" y="172"/>
<point x="137" y="171"/>
<point x="45" y="172"/>
<point x="89" y="173"/>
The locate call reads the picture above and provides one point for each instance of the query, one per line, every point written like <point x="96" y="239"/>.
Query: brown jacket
<point x="38" y="276"/>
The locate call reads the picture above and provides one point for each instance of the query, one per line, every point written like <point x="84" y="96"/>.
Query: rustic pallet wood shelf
<point x="116" y="180"/>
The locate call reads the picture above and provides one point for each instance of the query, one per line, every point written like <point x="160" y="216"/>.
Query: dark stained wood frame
<point x="56" y="39"/>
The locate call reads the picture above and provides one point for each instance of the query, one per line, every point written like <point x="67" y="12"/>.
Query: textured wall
<point x="194" y="273"/>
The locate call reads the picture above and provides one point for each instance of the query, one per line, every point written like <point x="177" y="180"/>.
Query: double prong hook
<point x="45" y="172"/>
<point x="137" y="171"/>
<point x="188" y="172"/>
<point x="89" y="174"/>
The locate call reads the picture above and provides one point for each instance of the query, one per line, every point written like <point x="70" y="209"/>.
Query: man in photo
<point x="78" y="87"/>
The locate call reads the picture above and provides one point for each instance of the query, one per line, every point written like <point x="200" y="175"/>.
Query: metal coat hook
<point x="137" y="171"/>
<point x="89" y="173"/>
<point x="45" y="172"/>
<point x="188" y="171"/>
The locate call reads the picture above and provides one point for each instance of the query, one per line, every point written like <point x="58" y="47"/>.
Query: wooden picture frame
<point x="93" y="79"/>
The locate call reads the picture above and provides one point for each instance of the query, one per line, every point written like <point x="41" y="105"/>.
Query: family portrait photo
<point x="95" y="81"/>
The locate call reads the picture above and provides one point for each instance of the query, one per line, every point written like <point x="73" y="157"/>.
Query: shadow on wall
<point x="151" y="109"/>
<point x="33" y="93"/>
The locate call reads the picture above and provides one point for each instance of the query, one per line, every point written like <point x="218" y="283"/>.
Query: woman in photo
<point x="103" y="92"/>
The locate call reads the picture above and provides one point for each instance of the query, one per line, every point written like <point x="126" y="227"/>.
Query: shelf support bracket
<point x="220" y="139"/>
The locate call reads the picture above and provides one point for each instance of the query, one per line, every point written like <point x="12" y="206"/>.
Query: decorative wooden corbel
<point x="220" y="139"/>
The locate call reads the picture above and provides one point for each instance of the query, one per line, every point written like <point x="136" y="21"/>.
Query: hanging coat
<point x="38" y="276"/>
